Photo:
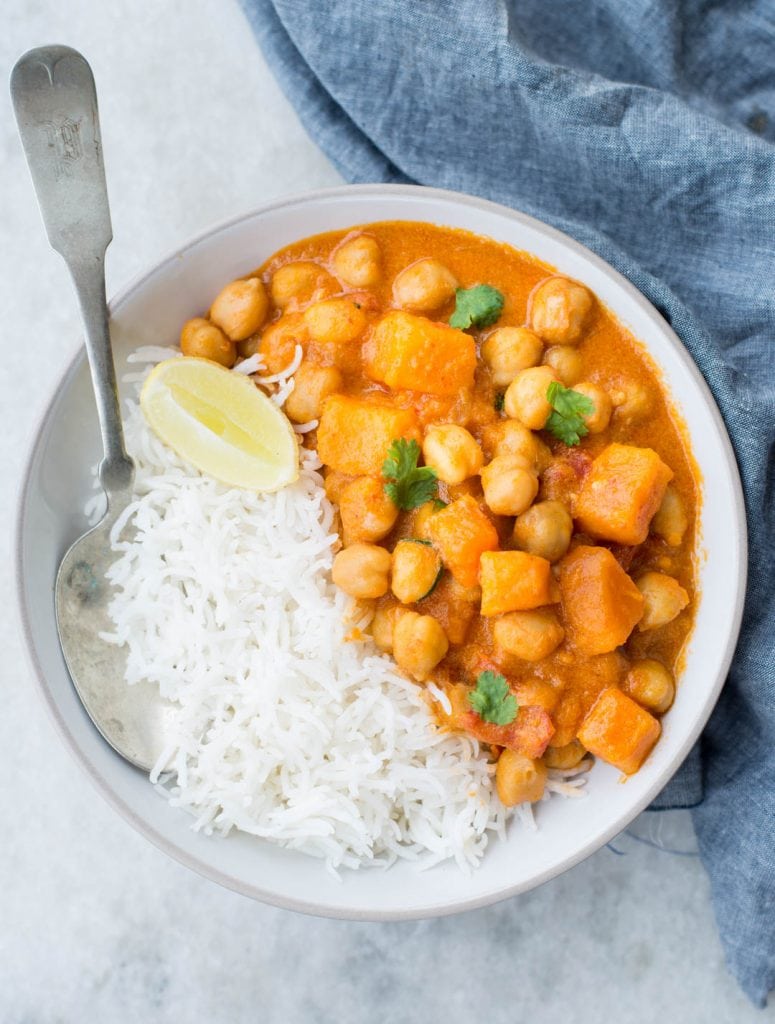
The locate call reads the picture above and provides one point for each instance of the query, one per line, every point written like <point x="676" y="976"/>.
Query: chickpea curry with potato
<point x="516" y="498"/>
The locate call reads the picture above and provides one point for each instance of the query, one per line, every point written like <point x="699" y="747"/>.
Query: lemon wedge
<point x="221" y="423"/>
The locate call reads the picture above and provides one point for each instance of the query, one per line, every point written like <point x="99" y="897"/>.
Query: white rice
<point x="280" y="723"/>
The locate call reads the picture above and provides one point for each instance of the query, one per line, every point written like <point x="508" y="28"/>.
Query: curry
<point x="517" y="500"/>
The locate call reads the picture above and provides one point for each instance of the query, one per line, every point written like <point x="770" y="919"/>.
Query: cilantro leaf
<point x="407" y="484"/>
<point x="479" y="306"/>
<point x="492" y="701"/>
<point x="569" y="407"/>
<point x="499" y="401"/>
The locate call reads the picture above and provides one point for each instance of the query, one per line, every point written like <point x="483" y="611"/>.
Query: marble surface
<point x="95" y="924"/>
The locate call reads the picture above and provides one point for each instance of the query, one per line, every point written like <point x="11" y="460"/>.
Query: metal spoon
<point x="55" y="102"/>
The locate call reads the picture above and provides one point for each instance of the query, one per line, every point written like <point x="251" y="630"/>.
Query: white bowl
<point x="57" y="481"/>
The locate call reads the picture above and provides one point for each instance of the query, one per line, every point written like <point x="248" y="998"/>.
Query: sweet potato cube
<point x="513" y="581"/>
<point x="600" y="603"/>
<point x="414" y="353"/>
<point x="588" y="677"/>
<point x="621" y="493"/>
<point x="461" y="532"/>
<point x="619" y="731"/>
<point x="354" y="433"/>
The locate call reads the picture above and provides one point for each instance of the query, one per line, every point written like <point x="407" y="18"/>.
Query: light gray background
<point x="95" y="924"/>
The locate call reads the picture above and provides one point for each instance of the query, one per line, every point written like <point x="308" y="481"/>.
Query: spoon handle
<point x="55" y="102"/>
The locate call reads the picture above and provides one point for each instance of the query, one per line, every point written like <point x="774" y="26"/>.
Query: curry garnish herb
<point x="569" y="407"/>
<point x="499" y="401"/>
<point x="491" y="699"/>
<point x="479" y="306"/>
<point x="407" y="484"/>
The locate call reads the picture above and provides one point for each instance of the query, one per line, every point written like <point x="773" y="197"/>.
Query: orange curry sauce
<point x="578" y="697"/>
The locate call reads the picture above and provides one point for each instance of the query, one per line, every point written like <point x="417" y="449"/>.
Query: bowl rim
<point x="254" y="891"/>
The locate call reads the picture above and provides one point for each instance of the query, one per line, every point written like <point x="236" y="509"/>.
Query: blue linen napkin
<point x="646" y="132"/>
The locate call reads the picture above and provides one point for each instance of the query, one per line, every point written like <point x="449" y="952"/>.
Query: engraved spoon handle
<point x="55" y="102"/>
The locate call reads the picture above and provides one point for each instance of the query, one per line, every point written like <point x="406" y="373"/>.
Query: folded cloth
<point x="645" y="131"/>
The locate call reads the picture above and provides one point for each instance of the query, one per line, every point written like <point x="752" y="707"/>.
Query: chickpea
<point x="362" y="571"/>
<point x="510" y="437"/>
<point x="382" y="625"/>
<point x="567" y="756"/>
<point x="366" y="511"/>
<point x="278" y="342"/>
<point x="536" y="693"/>
<point x="452" y="452"/>
<point x="335" y="483"/>
<point x="300" y="282"/>
<point x="650" y="684"/>
<point x="519" y="779"/>
<point x="566" y="363"/>
<point x="671" y="521"/>
<point x="511" y="349"/>
<point x="526" y="400"/>
<point x="335" y="321"/>
<point x="203" y="340"/>
<point x="424" y="286"/>
<point x="530" y="636"/>
<point x="312" y="385"/>
<point x="416" y="568"/>
<point x="544" y="530"/>
<point x="357" y="261"/>
<point x="419" y="644"/>
<point x="510" y="485"/>
<point x="507" y="437"/>
<point x="664" y="598"/>
<point x="597" y="421"/>
<point x="631" y="401"/>
<point x="240" y="308"/>
<point x="558" y="309"/>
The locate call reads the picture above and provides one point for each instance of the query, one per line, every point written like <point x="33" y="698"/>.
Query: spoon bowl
<point x="131" y="718"/>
